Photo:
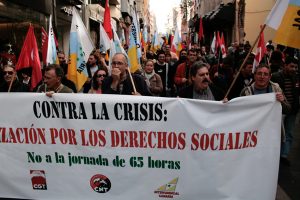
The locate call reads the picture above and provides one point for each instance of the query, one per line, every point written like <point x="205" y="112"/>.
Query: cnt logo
<point x="100" y="183"/>
<point x="38" y="179"/>
<point x="168" y="190"/>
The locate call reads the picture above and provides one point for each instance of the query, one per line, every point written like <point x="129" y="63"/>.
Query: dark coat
<point x="140" y="85"/>
<point x="278" y="77"/>
<point x="17" y="86"/>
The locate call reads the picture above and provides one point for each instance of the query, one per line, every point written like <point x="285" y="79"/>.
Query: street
<point x="289" y="176"/>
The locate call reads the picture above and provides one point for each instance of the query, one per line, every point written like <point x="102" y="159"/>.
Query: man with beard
<point x="92" y="67"/>
<point x="201" y="87"/>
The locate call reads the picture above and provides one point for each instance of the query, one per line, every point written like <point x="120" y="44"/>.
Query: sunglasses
<point x="101" y="75"/>
<point x="8" y="72"/>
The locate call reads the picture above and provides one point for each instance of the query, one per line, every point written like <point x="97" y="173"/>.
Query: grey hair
<point x="9" y="65"/>
<point x="196" y="66"/>
<point x="125" y="57"/>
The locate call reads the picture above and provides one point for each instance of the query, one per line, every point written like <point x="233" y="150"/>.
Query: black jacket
<point x="188" y="92"/>
<point x="127" y="88"/>
<point x="17" y="86"/>
<point x="279" y="77"/>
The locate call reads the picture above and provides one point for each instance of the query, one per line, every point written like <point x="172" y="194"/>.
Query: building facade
<point x="255" y="16"/>
<point x="239" y="20"/>
<point x="17" y="15"/>
<point x="15" y="18"/>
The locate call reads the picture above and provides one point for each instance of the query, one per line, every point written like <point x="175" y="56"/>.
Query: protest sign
<point x="85" y="146"/>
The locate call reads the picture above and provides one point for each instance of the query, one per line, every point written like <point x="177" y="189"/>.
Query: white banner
<point x="85" y="146"/>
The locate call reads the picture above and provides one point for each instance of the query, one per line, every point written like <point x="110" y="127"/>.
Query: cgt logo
<point x="100" y="183"/>
<point x="38" y="179"/>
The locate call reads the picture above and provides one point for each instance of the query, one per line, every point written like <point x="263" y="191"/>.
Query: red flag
<point x="222" y="46"/>
<point x="56" y="42"/>
<point x="200" y="33"/>
<point x="216" y="43"/>
<point x="106" y="21"/>
<point x="260" y="51"/>
<point x="44" y="45"/>
<point x="29" y="57"/>
<point x="218" y="40"/>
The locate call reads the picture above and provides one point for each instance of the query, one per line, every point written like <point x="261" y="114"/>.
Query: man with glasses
<point x="10" y="78"/>
<point x="262" y="85"/>
<point x="120" y="82"/>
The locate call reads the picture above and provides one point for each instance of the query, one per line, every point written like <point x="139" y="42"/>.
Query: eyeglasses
<point x="262" y="74"/>
<point x="8" y="72"/>
<point x="117" y="63"/>
<point x="101" y="75"/>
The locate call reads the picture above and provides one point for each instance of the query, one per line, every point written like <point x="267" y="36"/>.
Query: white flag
<point x="137" y="35"/>
<point x="117" y="43"/>
<point x="213" y="44"/>
<point x="104" y="39"/>
<point x="51" y="51"/>
<point x="81" y="46"/>
<point x="176" y="41"/>
<point x="275" y="16"/>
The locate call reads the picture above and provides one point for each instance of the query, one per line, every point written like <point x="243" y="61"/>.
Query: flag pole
<point x="132" y="82"/>
<point x="11" y="82"/>
<point x="244" y="62"/>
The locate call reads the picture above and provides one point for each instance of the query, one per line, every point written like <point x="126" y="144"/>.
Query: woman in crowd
<point x="153" y="80"/>
<point x="98" y="77"/>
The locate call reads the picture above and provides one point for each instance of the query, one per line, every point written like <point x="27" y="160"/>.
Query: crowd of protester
<point x="195" y="73"/>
